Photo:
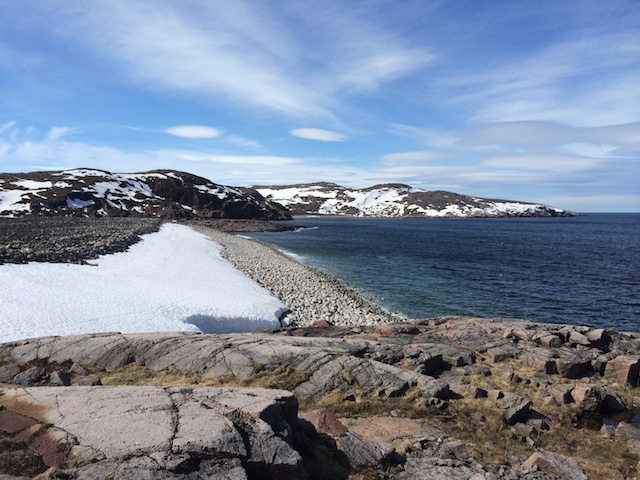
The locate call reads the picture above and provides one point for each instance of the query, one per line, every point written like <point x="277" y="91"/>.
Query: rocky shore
<point x="462" y="398"/>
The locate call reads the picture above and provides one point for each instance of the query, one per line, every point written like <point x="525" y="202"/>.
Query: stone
<point x="324" y="421"/>
<point x="516" y="410"/>
<point x="613" y="403"/>
<point x="576" y="338"/>
<point x="624" y="369"/>
<point x="556" y="464"/>
<point x="361" y="450"/>
<point x="588" y="397"/>
<point x="495" y="394"/>
<point x="550" y="341"/>
<point x="572" y="366"/>
<point x="561" y="392"/>
<point x="87" y="381"/>
<point x="542" y="359"/>
<point x="31" y="377"/>
<point x="395" y="430"/>
<point x="397" y="329"/>
<point x="502" y="353"/>
<point x="599" y="337"/>
<point x="60" y="378"/>
<point x="7" y="372"/>
<point x="12" y="423"/>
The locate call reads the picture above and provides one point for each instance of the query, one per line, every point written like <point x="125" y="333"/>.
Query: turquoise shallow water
<point x="580" y="270"/>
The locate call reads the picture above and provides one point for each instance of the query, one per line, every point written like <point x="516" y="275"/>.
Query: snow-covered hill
<point x="160" y="193"/>
<point x="397" y="200"/>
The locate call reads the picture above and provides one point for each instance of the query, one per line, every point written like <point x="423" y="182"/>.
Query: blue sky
<point x="523" y="100"/>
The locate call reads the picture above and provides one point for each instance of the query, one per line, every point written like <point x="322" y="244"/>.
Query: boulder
<point x="31" y="377"/>
<point x="324" y="421"/>
<point x="556" y="464"/>
<point x="361" y="450"/>
<point x="7" y="372"/>
<point x="624" y="369"/>
<point x="588" y="397"/>
<point x="561" y="392"/>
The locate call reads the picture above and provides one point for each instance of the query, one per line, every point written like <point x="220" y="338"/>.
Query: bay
<point x="580" y="270"/>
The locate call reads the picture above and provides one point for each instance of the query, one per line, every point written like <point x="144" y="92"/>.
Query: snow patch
<point x="74" y="203"/>
<point x="173" y="280"/>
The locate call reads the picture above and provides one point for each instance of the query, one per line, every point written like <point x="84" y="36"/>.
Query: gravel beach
<point x="68" y="239"/>
<point x="311" y="294"/>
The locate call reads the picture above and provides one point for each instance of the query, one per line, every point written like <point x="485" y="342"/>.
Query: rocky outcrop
<point x="389" y="383"/>
<point x="160" y="432"/>
<point x="159" y="193"/>
<point x="397" y="200"/>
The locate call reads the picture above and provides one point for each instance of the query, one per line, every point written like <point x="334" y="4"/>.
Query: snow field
<point x="173" y="280"/>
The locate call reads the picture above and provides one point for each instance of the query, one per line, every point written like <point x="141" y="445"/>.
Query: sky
<point x="534" y="101"/>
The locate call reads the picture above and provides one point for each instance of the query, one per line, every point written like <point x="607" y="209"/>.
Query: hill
<point x="397" y="200"/>
<point x="159" y="193"/>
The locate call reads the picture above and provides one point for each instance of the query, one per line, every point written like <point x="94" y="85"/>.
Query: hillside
<point x="159" y="193"/>
<point x="396" y="200"/>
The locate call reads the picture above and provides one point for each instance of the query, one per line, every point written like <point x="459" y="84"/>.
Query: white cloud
<point x="318" y="134"/>
<point x="417" y="156"/>
<point x="589" y="81"/>
<point x="7" y="126"/>
<point x="193" y="131"/>
<point x="56" y="133"/>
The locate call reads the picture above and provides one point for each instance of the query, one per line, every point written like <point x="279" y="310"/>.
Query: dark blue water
<point x="582" y="270"/>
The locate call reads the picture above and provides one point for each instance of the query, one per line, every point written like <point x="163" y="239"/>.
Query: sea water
<point x="578" y="270"/>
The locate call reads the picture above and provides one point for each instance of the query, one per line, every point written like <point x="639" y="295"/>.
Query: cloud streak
<point x="318" y="134"/>
<point x="193" y="131"/>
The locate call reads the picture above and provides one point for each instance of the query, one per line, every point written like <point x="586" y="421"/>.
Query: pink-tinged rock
<point x="588" y="397"/>
<point x="324" y="421"/>
<point x="624" y="369"/>
<point x="502" y="353"/>
<point x="556" y="464"/>
<point x="561" y="392"/>
<point x="13" y="423"/>
<point x="551" y="341"/>
<point x="576" y="338"/>
<point x="598" y="337"/>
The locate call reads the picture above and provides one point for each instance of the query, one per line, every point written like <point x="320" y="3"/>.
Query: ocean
<point x="578" y="270"/>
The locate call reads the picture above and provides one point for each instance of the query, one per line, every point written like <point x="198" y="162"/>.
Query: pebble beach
<point x="311" y="294"/>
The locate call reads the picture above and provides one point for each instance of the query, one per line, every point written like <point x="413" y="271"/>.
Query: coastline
<point x="311" y="294"/>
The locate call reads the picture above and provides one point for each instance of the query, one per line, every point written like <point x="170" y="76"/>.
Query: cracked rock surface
<point x="183" y="430"/>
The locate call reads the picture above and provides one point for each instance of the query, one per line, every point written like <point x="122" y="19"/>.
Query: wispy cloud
<point x="244" y="52"/>
<point x="417" y="156"/>
<point x="193" y="131"/>
<point x="56" y="133"/>
<point x="265" y="160"/>
<point x="318" y="134"/>
<point x="240" y="141"/>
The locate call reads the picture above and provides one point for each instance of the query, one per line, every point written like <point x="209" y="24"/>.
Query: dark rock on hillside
<point x="159" y="193"/>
